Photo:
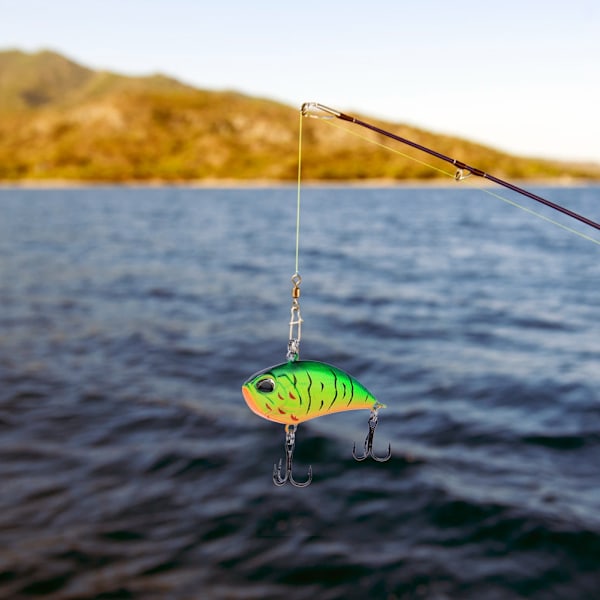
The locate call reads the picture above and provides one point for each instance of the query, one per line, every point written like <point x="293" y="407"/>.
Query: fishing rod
<point x="307" y="107"/>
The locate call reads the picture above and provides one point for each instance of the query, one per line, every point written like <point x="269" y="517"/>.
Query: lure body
<point x="297" y="391"/>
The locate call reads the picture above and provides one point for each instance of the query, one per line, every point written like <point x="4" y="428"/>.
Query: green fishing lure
<point x="299" y="390"/>
<point x="296" y="391"/>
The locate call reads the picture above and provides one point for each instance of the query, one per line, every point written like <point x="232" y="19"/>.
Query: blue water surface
<point x="132" y="468"/>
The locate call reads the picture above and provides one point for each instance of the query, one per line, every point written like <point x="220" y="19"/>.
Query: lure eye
<point x="265" y="385"/>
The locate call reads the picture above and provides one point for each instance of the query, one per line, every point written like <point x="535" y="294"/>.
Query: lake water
<point x="130" y="466"/>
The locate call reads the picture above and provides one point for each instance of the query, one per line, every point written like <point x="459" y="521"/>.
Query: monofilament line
<point x="298" y="193"/>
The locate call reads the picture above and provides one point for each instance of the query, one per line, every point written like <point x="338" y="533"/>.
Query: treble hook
<point x="369" y="441"/>
<point x="290" y="442"/>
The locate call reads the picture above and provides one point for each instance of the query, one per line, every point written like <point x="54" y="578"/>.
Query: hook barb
<point x="368" y="451"/>
<point x="290" y="443"/>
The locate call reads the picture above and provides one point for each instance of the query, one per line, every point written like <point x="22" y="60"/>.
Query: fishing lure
<point x="296" y="391"/>
<point x="299" y="390"/>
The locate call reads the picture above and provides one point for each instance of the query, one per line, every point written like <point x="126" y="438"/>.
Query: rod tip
<point x="318" y="111"/>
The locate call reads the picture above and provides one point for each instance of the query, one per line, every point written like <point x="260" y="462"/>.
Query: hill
<point x="62" y="120"/>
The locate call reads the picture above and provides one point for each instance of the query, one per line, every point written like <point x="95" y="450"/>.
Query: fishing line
<point x="453" y="176"/>
<point x="540" y="215"/>
<point x="386" y="147"/>
<point x="298" y="193"/>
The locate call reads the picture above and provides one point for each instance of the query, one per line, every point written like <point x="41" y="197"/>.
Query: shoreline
<point x="269" y="183"/>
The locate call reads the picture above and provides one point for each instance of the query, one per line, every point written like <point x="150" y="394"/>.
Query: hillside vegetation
<point x="61" y="120"/>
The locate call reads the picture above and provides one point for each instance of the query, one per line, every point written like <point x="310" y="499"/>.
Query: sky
<point x="521" y="76"/>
